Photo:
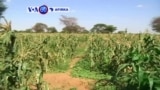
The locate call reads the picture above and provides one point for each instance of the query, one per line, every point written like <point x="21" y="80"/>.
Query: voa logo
<point x="44" y="9"/>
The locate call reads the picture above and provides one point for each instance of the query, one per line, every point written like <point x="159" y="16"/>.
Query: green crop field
<point x="116" y="61"/>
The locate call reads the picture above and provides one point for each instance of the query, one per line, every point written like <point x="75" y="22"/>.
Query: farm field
<point x="79" y="61"/>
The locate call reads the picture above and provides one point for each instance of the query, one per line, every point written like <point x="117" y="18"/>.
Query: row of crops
<point x="132" y="61"/>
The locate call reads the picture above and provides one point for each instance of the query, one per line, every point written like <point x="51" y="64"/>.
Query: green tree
<point x="28" y="30"/>
<point x="71" y="25"/>
<point x="156" y="24"/>
<point x="74" y="29"/>
<point x="122" y="32"/>
<point x="69" y="29"/>
<point x="40" y="27"/>
<point x="84" y="30"/>
<point x="52" y="29"/>
<point x="103" y="28"/>
<point x="2" y="7"/>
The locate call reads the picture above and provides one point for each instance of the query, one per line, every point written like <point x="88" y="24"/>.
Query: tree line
<point x="71" y="26"/>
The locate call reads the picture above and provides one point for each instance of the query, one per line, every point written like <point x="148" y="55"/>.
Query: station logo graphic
<point x="44" y="9"/>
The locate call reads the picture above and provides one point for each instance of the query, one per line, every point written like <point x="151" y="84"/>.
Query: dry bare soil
<point x="64" y="81"/>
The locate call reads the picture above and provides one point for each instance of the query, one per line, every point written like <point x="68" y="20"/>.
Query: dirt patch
<point x="64" y="81"/>
<point x="72" y="64"/>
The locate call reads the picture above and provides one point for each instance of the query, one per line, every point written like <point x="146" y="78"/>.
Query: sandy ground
<point x="64" y="81"/>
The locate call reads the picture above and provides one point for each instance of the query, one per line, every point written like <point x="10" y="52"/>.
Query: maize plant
<point x="141" y="69"/>
<point x="133" y="64"/>
<point x="60" y="48"/>
<point x="97" y="54"/>
<point x="16" y="72"/>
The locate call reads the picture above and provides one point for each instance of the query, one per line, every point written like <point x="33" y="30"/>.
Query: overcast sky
<point x="135" y="15"/>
